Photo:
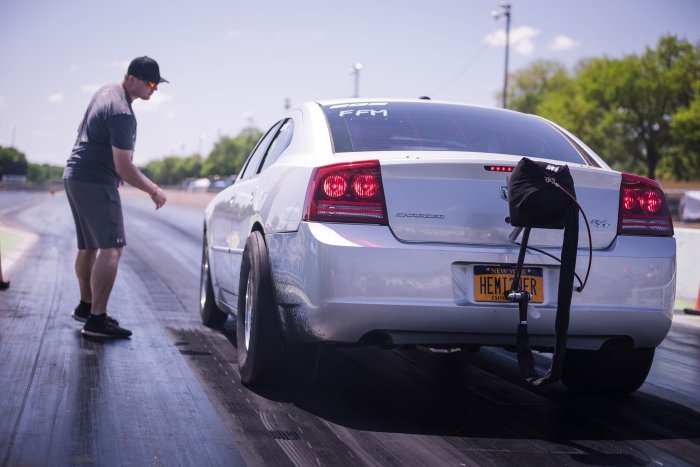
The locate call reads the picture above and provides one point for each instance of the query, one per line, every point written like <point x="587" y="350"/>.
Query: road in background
<point x="171" y="395"/>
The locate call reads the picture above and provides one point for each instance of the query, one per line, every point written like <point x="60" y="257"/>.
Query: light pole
<point x="356" y="71"/>
<point x="504" y="10"/>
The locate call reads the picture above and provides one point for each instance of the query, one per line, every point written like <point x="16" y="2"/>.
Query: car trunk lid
<point x="448" y="198"/>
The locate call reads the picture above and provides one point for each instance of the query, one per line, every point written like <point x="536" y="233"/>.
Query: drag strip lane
<point x="72" y="401"/>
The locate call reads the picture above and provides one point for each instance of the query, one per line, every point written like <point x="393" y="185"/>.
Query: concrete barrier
<point x="687" y="263"/>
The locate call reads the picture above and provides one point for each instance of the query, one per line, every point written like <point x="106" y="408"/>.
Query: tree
<point x="44" y="173"/>
<point x="685" y="131"/>
<point x="12" y="162"/>
<point x="647" y="92"/>
<point x="172" y="170"/>
<point x="534" y="83"/>
<point x="11" y="155"/>
<point x="229" y="154"/>
<point x="226" y="158"/>
<point x="640" y="112"/>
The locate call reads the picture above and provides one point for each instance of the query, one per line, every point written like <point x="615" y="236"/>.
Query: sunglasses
<point x="151" y="84"/>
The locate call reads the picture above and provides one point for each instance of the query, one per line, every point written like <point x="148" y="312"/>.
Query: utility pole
<point x="356" y="71"/>
<point x="504" y="10"/>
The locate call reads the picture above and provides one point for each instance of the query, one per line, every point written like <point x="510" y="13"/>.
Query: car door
<point x="242" y="209"/>
<point x="224" y="240"/>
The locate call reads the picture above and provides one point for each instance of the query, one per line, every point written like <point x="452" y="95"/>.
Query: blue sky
<point x="231" y="62"/>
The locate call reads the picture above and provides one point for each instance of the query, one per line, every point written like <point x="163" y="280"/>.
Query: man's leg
<point x="84" y="262"/>
<point x="104" y="272"/>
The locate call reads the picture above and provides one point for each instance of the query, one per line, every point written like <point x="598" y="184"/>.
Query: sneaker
<point x="104" y="327"/>
<point x="82" y="313"/>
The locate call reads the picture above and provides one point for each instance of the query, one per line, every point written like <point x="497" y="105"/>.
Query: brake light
<point x="643" y="208"/>
<point x="499" y="168"/>
<point x="346" y="192"/>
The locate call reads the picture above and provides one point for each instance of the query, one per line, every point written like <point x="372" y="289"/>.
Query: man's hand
<point x="123" y="163"/>
<point x="158" y="198"/>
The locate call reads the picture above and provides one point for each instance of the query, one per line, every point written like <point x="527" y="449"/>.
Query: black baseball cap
<point x="147" y="69"/>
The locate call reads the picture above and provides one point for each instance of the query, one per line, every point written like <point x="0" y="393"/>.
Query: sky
<point x="234" y="63"/>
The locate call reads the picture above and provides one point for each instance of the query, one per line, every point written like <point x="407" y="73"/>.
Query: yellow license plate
<point x="492" y="282"/>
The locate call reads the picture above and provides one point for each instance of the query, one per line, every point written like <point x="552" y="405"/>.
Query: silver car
<point x="385" y="222"/>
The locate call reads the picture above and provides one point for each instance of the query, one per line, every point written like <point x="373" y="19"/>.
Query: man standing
<point x="100" y="161"/>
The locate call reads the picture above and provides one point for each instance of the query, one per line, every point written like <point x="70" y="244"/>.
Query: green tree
<point x="640" y="112"/>
<point x="44" y="173"/>
<point x="229" y="154"/>
<point x="11" y="155"/>
<point x="648" y="92"/>
<point x="189" y="167"/>
<point x="226" y="158"/>
<point x="535" y="83"/>
<point x="172" y="170"/>
<point x="685" y="131"/>
<point x="36" y="173"/>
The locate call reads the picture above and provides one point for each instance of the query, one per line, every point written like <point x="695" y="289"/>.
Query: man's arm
<point x="133" y="176"/>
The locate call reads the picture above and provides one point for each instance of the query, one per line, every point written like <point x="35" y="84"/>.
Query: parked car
<point x="219" y="183"/>
<point x="198" y="184"/>
<point x="385" y="222"/>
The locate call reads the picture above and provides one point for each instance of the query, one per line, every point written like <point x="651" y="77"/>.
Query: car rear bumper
<point x="345" y="283"/>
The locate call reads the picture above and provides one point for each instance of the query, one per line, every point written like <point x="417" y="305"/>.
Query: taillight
<point x="346" y="192"/>
<point x="643" y="208"/>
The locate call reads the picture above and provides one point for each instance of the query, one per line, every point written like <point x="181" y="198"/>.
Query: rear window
<point x="430" y="126"/>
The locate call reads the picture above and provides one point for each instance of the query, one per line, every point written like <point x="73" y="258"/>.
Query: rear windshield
<point x="430" y="126"/>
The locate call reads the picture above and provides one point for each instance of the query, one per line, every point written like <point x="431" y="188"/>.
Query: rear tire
<point x="606" y="372"/>
<point x="210" y="313"/>
<point x="260" y="343"/>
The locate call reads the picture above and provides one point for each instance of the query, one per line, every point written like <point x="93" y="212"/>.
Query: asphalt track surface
<point x="171" y="395"/>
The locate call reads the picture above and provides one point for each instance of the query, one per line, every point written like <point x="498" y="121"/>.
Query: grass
<point x="8" y="241"/>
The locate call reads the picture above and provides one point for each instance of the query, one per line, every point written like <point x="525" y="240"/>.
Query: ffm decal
<point x="369" y="112"/>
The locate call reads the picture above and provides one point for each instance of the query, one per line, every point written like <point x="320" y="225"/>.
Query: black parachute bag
<point x="542" y="195"/>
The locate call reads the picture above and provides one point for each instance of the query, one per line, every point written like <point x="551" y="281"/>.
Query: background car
<point x="385" y="222"/>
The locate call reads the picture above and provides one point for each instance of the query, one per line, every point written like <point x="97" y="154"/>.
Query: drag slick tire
<point x="606" y="372"/>
<point x="210" y="313"/>
<point x="259" y="340"/>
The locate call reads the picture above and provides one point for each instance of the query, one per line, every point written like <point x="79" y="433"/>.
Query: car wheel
<point x="211" y="314"/>
<point x="259" y="339"/>
<point x="606" y="372"/>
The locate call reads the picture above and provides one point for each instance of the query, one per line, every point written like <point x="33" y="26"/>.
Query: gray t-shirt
<point x="109" y="121"/>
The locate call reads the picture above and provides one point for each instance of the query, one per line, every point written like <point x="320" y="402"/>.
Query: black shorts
<point x="97" y="211"/>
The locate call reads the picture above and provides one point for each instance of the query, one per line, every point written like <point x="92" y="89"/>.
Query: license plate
<point x="491" y="283"/>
